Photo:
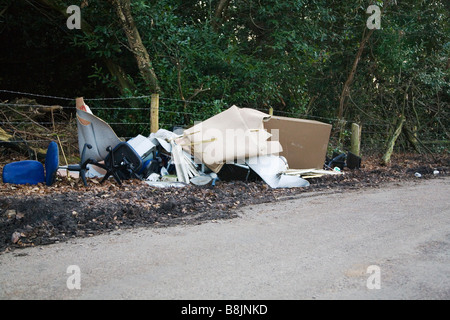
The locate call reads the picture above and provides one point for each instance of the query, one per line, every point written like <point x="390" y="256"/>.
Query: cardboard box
<point x="304" y="142"/>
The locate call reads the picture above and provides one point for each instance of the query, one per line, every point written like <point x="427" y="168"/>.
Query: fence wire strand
<point x="369" y="126"/>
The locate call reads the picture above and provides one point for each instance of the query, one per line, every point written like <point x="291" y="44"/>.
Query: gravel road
<point x="391" y="242"/>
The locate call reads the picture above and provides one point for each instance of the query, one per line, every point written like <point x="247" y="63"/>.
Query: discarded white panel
<point x="163" y="137"/>
<point x="270" y="168"/>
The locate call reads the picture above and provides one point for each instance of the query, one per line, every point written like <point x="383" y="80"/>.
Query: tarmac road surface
<point x="391" y="242"/>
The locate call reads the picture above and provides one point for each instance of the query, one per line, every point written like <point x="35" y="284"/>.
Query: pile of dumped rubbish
<point x="238" y="142"/>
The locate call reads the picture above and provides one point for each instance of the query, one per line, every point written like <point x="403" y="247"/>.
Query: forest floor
<point x="40" y="215"/>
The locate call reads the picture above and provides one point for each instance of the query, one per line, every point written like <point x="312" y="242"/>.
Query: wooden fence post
<point x="154" y="113"/>
<point x="355" y="139"/>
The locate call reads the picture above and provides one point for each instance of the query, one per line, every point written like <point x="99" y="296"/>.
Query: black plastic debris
<point x="349" y="160"/>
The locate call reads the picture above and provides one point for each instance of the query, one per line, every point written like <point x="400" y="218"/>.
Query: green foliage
<point x="292" y="55"/>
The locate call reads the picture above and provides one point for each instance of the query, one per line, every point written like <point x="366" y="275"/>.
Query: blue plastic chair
<point x="32" y="172"/>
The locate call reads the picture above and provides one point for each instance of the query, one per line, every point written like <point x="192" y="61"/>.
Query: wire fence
<point x="130" y="116"/>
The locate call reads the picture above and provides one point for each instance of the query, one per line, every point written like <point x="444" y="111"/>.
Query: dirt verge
<point x="40" y="215"/>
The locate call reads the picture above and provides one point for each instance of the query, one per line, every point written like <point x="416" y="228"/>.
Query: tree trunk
<point x="218" y="14"/>
<point x="412" y="138"/>
<point x="123" y="10"/>
<point x="346" y="88"/>
<point x="387" y="156"/>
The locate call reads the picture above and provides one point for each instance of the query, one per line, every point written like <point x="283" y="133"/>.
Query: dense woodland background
<point x="313" y="59"/>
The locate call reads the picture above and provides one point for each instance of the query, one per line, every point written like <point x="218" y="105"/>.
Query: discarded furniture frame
<point x="33" y="172"/>
<point x="102" y="148"/>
